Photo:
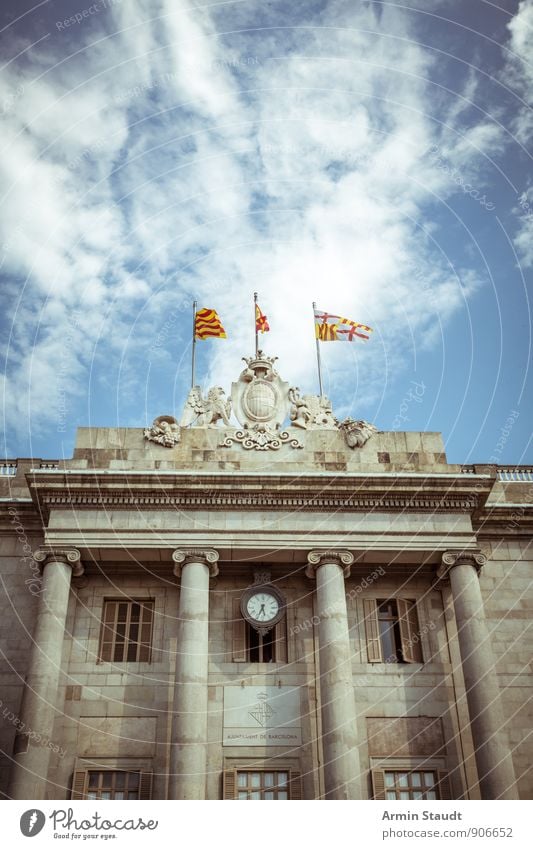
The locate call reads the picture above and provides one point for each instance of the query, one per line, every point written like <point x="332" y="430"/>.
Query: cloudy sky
<point x="374" y="157"/>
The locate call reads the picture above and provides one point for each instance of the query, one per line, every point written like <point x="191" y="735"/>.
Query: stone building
<point x="203" y="611"/>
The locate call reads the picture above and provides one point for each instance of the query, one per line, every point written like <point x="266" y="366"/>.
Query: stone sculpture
<point x="311" y="411"/>
<point x="206" y="412"/>
<point x="356" y="433"/>
<point x="165" y="431"/>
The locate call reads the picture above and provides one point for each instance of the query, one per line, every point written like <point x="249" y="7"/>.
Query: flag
<point x="334" y="328"/>
<point x="207" y="325"/>
<point x="261" y="323"/>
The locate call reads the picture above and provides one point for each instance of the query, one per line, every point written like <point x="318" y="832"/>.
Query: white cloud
<point x="161" y="162"/>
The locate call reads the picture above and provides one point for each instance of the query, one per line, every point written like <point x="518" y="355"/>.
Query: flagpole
<point x="255" y="325"/>
<point x="319" y="364"/>
<point x="194" y="305"/>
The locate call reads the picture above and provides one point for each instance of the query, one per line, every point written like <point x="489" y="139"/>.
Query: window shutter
<point x="378" y="784"/>
<point x="78" y="784"/>
<point x="445" y="790"/>
<point x="145" y="785"/>
<point x="373" y="642"/>
<point x="238" y="650"/>
<point x="409" y="631"/>
<point x="280" y="638"/>
<point x="295" y="785"/>
<point x="229" y="780"/>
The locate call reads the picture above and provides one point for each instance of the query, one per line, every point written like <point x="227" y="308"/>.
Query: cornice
<point x="347" y="492"/>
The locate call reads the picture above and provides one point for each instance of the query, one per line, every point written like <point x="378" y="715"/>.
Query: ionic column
<point x="339" y="728"/>
<point x="39" y="701"/>
<point x="189" y="728"/>
<point x="493" y="758"/>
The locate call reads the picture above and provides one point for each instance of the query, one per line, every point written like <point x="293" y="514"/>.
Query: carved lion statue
<point x="206" y="412"/>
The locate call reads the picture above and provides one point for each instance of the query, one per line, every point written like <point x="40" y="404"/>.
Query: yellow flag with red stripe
<point x="207" y="325"/>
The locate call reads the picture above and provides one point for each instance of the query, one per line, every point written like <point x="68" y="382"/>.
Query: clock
<point x="262" y="607"/>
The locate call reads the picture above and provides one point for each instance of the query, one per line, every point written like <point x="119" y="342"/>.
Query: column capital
<point x="50" y="554"/>
<point x="319" y="557"/>
<point x="457" y="558"/>
<point x="207" y="556"/>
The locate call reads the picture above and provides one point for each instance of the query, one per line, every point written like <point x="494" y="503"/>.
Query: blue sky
<point x="373" y="157"/>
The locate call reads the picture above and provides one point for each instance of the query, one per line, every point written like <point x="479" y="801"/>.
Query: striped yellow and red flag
<point x="335" y="328"/>
<point x="207" y="325"/>
<point x="261" y="323"/>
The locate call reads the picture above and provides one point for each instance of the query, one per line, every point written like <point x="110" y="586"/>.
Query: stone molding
<point x="318" y="558"/>
<point x="207" y="556"/>
<point x="70" y="556"/>
<point x="457" y="558"/>
<point x="221" y="500"/>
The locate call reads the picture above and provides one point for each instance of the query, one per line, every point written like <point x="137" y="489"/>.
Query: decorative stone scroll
<point x="318" y="557"/>
<point x="70" y="556"/>
<point x="207" y="556"/>
<point x="260" y="438"/>
<point x="455" y="558"/>
<point x="165" y="431"/>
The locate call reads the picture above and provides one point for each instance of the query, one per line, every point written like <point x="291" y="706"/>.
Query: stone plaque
<point x="405" y="736"/>
<point x="262" y="716"/>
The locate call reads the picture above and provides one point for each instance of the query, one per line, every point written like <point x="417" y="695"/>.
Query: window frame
<point x="105" y="627"/>
<point x="441" y="786"/>
<point x="80" y="781"/>
<point x="230" y="786"/>
<point x="406" y="623"/>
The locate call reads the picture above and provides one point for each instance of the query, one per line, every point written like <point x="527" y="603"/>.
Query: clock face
<point x="262" y="607"/>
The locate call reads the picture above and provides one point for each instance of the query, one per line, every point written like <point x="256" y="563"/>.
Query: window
<point x="405" y="784"/>
<point x="262" y="784"/>
<point x="392" y="631"/>
<point x="249" y="646"/>
<point x="112" y="784"/>
<point x="126" y="633"/>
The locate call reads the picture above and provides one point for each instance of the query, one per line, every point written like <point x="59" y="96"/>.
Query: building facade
<point x="203" y="611"/>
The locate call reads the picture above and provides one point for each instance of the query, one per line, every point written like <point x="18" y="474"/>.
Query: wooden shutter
<point x="445" y="790"/>
<point x="373" y="642"/>
<point x="409" y="631"/>
<point x="145" y="785"/>
<point x="295" y="785"/>
<point x="280" y="639"/>
<point x="238" y="643"/>
<point x="229" y="781"/>
<point x="378" y="784"/>
<point x="78" y="784"/>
